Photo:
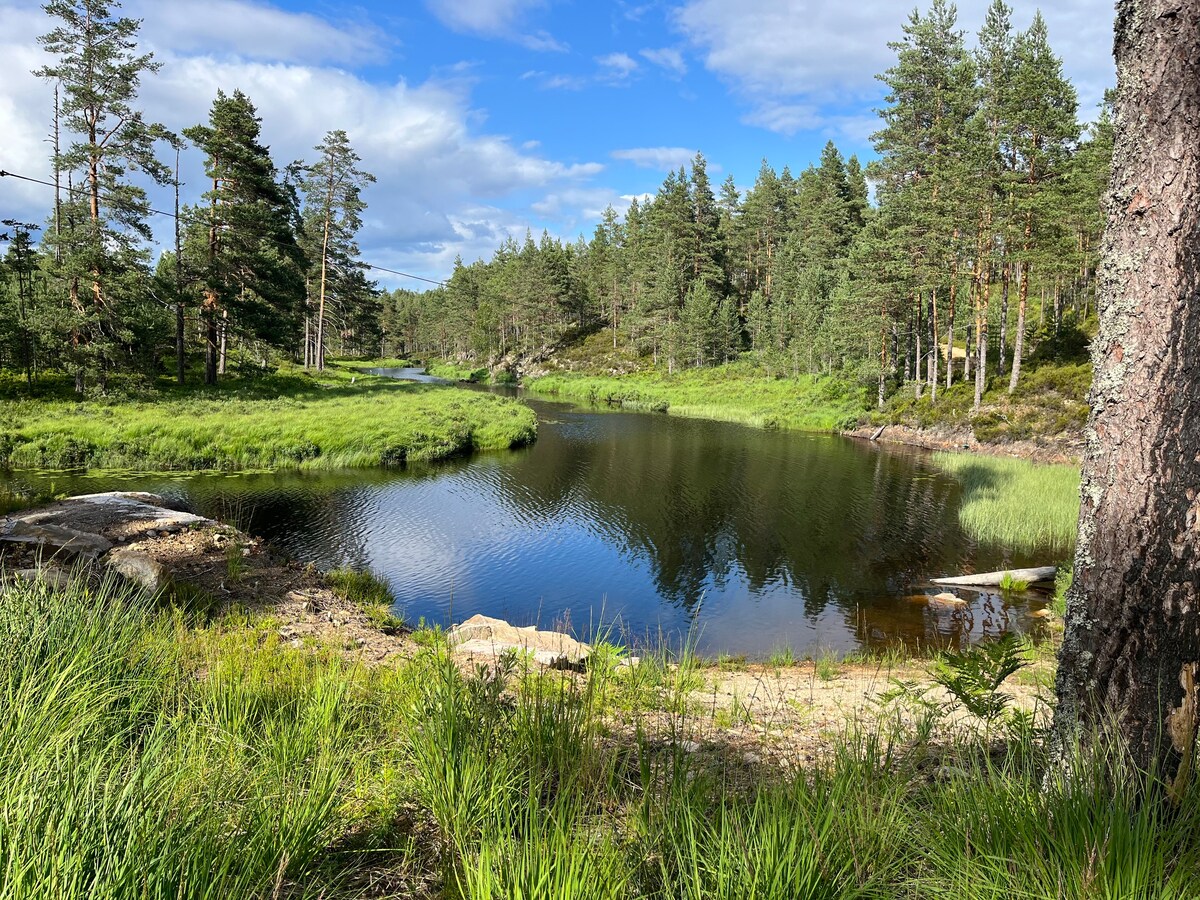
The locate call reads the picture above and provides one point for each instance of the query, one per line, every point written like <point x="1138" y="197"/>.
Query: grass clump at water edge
<point x="1014" y="502"/>
<point x="370" y="593"/>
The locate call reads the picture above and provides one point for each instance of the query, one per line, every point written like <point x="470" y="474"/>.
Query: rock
<point x="947" y="599"/>
<point x="51" y="575"/>
<point x="60" y="537"/>
<point x="485" y="636"/>
<point x="689" y="746"/>
<point x="140" y="568"/>
<point x="751" y="759"/>
<point x="1040" y="613"/>
<point x="946" y="774"/>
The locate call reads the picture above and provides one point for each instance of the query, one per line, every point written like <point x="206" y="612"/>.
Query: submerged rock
<point x="947" y="599"/>
<point x="484" y="636"/>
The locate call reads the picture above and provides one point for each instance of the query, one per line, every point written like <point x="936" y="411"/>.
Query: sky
<point x="483" y="118"/>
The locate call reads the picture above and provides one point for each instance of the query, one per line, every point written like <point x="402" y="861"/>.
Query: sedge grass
<point x="143" y="755"/>
<point x="1017" y="503"/>
<point x="738" y="392"/>
<point x="284" y="421"/>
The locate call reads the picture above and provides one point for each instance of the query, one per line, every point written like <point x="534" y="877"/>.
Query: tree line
<point x="986" y="205"/>
<point x="267" y="258"/>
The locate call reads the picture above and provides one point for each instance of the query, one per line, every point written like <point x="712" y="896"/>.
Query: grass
<point x="370" y="593"/>
<point x="146" y="754"/>
<point x="1017" y="503"/>
<point x="287" y="420"/>
<point x="1011" y="584"/>
<point x="739" y="392"/>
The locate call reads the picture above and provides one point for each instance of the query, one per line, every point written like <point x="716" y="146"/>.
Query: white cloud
<point x="494" y="19"/>
<point x="443" y="182"/>
<point x="616" y="68"/>
<point x="661" y="158"/>
<point x="255" y="31"/>
<point x="667" y="58"/>
<point x="798" y="64"/>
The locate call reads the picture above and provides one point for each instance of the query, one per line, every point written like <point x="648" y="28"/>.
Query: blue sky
<point x="481" y="118"/>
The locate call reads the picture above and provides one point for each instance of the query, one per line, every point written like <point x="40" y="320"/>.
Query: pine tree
<point x="332" y="189"/>
<point x="244" y="255"/>
<point x="99" y="245"/>
<point x="1045" y="132"/>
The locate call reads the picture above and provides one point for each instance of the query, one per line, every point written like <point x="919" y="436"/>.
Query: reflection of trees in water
<point x="831" y="518"/>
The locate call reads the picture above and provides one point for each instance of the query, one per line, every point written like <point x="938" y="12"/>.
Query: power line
<point x="171" y="215"/>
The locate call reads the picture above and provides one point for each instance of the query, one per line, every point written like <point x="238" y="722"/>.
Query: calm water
<point x="641" y="521"/>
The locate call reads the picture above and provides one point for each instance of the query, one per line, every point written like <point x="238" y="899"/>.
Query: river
<point x="646" y="526"/>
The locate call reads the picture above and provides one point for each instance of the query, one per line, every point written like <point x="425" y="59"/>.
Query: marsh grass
<point x="288" y="420"/>
<point x="144" y="754"/>
<point x="738" y="392"/>
<point x="370" y="593"/>
<point x="1016" y="503"/>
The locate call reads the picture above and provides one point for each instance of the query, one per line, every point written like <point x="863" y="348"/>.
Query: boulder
<point x="947" y="599"/>
<point x="140" y="568"/>
<point x="58" y="537"/>
<point x="484" y="636"/>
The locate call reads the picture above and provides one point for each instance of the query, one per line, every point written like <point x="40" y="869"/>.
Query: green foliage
<point x="738" y="392"/>
<point x="1015" y="585"/>
<point x="184" y="759"/>
<point x="286" y="421"/>
<point x="1014" y="502"/>
<point x="973" y="676"/>
<point x="1062" y="584"/>
<point x="369" y="592"/>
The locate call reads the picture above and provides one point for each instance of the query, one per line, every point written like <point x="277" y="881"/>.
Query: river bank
<point x="291" y="419"/>
<point x="233" y="756"/>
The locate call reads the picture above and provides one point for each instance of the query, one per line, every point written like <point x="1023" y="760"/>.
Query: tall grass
<point x="270" y="423"/>
<point x="1014" y="502"/>
<point x="738" y="392"/>
<point x="146" y="756"/>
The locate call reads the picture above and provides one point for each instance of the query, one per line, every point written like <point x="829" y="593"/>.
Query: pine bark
<point x="1131" y="653"/>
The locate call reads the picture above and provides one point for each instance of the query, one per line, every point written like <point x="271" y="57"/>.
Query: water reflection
<point x="762" y="538"/>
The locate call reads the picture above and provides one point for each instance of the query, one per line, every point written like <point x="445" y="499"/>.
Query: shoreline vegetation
<point x="290" y="419"/>
<point x="221" y="752"/>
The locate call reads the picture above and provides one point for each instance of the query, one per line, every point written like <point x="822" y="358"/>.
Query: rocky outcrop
<point x="484" y="636"/>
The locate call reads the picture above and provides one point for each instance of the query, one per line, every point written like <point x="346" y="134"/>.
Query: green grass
<point x="289" y="420"/>
<point x="739" y="392"/>
<point x="370" y="593"/>
<point x="144" y="754"/>
<point x="1016" y="503"/>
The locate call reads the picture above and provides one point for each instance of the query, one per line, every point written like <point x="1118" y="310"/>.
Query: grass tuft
<point x="1016" y="503"/>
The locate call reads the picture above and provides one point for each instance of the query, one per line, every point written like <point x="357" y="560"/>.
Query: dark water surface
<point x="645" y="521"/>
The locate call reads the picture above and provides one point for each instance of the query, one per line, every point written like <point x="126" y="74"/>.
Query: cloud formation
<point x="795" y="63"/>
<point x="443" y="184"/>
<point x="494" y="19"/>
<point x="660" y="158"/>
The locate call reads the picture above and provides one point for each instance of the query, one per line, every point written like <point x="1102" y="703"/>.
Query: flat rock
<point x="139" y="568"/>
<point x="484" y="636"/>
<point x="115" y="515"/>
<point x="61" y="538"/>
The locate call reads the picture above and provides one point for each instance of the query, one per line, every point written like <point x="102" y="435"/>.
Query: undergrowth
<point x="144" y="754"/>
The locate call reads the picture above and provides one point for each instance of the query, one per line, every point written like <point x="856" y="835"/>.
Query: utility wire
<point x="170" y="215"/>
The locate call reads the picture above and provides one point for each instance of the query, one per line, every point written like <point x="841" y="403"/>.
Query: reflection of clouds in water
<point x="812" y="541"/>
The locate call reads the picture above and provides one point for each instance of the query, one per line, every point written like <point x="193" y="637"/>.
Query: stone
<point x="51" y="575"/>
<point x="485" y="636"/>
<point x="947" y="599"/>
<point x="60" y="537"/>
<point x="140" y="568"/>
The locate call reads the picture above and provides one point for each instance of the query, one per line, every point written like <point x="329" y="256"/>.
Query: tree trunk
<point x="981" y="332"/>
<point x="1019" y="341"/>
<point x="319" y="350"/>
<point x="1006" y="280"/>
<point x="1131" y="654"/>
<point x="180" y="324"/>
<point x="224" y="341"/>
<point x="933" y="346"/>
